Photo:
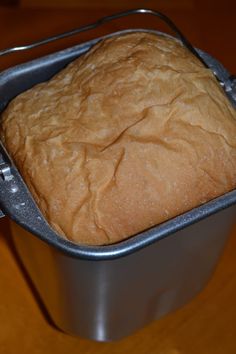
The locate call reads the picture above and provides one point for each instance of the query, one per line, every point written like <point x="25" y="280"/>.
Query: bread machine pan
<point x="107" y="292"/>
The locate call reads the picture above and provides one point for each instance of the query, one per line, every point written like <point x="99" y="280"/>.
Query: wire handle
<point x="102" y="21"/>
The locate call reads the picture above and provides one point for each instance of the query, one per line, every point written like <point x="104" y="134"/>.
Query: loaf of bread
<point x="132" y="133"/>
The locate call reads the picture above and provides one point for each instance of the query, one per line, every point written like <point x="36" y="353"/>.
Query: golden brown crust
<point x="131" y="134"/>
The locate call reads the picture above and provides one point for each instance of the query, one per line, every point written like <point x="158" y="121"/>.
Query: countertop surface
<point x="207" y="324"/>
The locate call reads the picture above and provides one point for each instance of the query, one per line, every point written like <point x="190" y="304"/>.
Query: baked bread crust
<point x="133" y="133"/>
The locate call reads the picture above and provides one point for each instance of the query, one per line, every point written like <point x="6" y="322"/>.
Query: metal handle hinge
<point x="5" y="172"/>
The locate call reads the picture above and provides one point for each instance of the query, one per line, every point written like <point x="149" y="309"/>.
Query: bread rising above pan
<point x="132" y="133"/>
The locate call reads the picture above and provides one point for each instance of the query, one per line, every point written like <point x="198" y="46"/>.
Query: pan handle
<point x="5" y="171"/>
<point x="104" y="20"/>
<point x="5" y="174"/>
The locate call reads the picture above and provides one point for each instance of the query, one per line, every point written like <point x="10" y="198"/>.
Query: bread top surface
<point x="130" y="134"/>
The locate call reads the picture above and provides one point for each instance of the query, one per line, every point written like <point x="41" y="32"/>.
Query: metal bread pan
<point x="107" y="292"/>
